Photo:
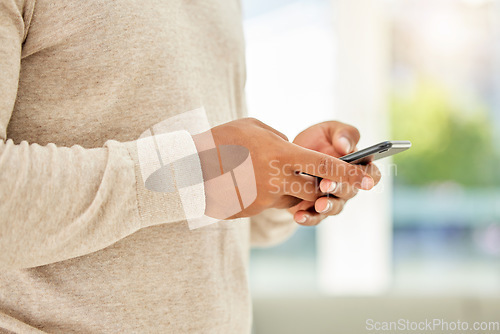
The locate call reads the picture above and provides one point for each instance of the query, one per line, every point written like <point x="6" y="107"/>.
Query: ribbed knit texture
<point x="83" y="248"/>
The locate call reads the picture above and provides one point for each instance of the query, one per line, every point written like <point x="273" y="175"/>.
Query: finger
<point x="342" y="190"/>
<point x="309" y="217"/>
<point x="344" y="137"/>
<point x="301" y="206"/>
<point x="329" y="206"/>
<point x="372" y="170"/>
<point x="288" y="202"/>
<point x="302" y="186"/>
<point x="327" y="167"/>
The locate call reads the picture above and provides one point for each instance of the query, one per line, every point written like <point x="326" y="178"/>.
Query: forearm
<point x="58" y="203"/>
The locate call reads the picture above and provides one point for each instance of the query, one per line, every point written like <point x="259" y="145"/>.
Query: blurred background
<point x="426" y="242"/>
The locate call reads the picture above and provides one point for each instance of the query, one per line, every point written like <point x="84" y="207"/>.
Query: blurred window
<point x="437" y="84"/>
<point x="446" y="97"/>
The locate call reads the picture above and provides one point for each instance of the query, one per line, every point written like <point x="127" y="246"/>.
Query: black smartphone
<point x="375" y="152"/>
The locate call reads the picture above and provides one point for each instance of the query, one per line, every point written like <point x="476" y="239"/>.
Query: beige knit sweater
<point x="83" y="246"/>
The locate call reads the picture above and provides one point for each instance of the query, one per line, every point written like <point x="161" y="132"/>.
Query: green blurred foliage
<point x="450" y="143"/>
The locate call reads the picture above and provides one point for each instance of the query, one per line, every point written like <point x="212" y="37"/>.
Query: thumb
<point x="344" y="143"/>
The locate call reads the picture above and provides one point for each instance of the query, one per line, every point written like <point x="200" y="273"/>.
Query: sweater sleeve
<point x="58" y="203"/>
<point x="271" y="227"/>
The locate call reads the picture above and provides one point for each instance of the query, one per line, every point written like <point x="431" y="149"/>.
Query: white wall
<point x="355" y="249"/>
<point x="307" y="64"/>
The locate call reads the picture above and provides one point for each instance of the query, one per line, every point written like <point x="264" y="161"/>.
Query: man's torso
<point x="98" y="70"/>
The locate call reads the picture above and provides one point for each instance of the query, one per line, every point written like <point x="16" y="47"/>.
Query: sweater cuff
<point x="169" y="179"/>
<point x="271" y="227"/>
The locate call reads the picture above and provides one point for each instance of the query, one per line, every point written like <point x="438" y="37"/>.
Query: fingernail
<point x="328" y="186"/>
<point x="327" y="208"/>
<point x="367" y="183"/>
<point x="332" y="187"/>
<point x="302" y="220"/>
<point x="345" y="143"/>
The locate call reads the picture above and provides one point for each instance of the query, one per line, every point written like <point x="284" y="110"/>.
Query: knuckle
<point x="280" y="150"/>
<point x="376" y="174"/>
<point x="282" y="135"/>
<point x="348" y="192"/>
<point x="308" y="190"/>
<point x="355" y="132"/>
<point x="274" y="156"/>
<point x="315" y="220"/>
<point x="354" y="176"/>
<point x="337" y="207"/>
<point x="352" y="130"/>
<point x="353" y="192"/>
<point x="339" y="189"/>
<point x="273" y="151"/>
<point x="293" y="201"/>
<point x="310" y="196"/>
<point x="324" y="165"/>
<point x="254" y="121"/>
